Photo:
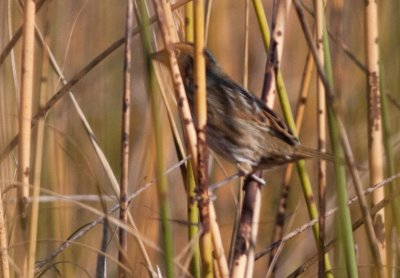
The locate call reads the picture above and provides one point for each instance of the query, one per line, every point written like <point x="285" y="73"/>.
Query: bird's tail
<point x="306" y="152"/>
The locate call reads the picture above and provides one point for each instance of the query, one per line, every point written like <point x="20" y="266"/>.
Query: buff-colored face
<point x="182" y="51"/>
<point x="184" y="54"/>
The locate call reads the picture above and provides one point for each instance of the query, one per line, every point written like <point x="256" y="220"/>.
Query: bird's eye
<point x="177" y="52"/>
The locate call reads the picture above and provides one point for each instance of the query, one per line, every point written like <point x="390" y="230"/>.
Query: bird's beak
<point x="161" y="56"/>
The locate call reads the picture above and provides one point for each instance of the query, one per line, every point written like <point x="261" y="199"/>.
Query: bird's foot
<point x="247" y="172"/>
<point x="258" y="179"/>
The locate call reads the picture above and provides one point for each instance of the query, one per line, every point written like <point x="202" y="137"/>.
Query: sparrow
<point x="240" y="127"/>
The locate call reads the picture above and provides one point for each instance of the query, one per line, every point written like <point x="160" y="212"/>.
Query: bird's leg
<point x="221" y="183"/>
<point x="247" y="171"/>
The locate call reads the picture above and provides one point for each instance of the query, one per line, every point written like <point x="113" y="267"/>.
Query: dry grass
<point x="77" y="109"/>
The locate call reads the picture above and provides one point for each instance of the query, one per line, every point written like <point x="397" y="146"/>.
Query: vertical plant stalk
<point x="162" y="185"/>
<point x="201" y="116"/>
<point x="25" y="114"/>
<point x="33" y="225"/>
<point x="278" y="229"/>
<point x="283" y="98"/>
<point x="5" y="268"/>
<point x="246" y="44"/>
<point x="391" y="165"/>
<point x="189" y="24"/>
<point x="180" y="94"/>
<point x="93" y="139"/>
<point x="10" y="45"/>
<point x="262" y="23"/>
<point x="218" y="252"/>
<point x="284" y="101"/>
<point x="67" y="86"/>
<point x="337" y="129"/>
<point x="167" y="32"/>
<point x="281" y="11"/>
<point x="125" y="139"/>
<point x="376" y="151"/>
<point x="254" y="231"/>
<point x="240" y="195"/>
<point x="364" y="207"/>
<point x="193" y="217"/>
<point x="321" y="116"/>
<point x="248" y="229"/>
<point x="344" y="213"/>
<point x="193" y="210"/>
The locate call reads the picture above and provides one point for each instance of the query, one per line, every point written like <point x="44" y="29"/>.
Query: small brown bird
<point x="240" y="127"/>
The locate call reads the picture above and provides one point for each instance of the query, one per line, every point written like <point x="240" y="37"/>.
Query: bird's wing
<point x="256" y="111"/>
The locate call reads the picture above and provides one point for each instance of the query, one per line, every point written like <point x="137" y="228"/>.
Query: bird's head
<point x="184" y="53"/>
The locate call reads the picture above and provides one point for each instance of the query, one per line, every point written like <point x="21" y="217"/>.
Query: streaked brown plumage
<point x="240" y="127"/>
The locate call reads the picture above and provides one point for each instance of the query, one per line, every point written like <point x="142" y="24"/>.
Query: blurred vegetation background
<point x="77" y="31"/>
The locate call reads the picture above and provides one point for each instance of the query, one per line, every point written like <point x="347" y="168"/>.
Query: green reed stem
<point x="342" y="197"/>
<point x="288" y="115"/>
<point x="162" y="185"/>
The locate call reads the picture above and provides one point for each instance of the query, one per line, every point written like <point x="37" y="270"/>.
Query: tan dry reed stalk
<point x="5" y="266"/>
<point x="203" y="201"/>
<point x="322" y="134"/>
<point x="193" y="209"/>
<point x="25" y="114"/>
<point x="245" y="236"/>
<point x="162" y="9"/>
<point x="93" y="140"/>
<point x="338" y="125"/>
<point x="24" y="127"/>
<point x="278" y="228"/>
<point x="364" y="207"/>
<point x="304" y="178"/>
<point x="74" y="79"/>
<point x="280" y="13"/>
<point x="352" y="166"/>
<point x="180" y="94"/>
<point x="10" y="45"/>
<point x="37" y="174"/>
<point x="247" y="233"/>
<point x="246" y="45"/>
<point x="218" y="248"/>
<point x="375" y="136"/>
<point x="101" y="216"/>
<point x="102" y="158"/>
<point x="125" y="139"/>
<point x="348" y="242"/>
